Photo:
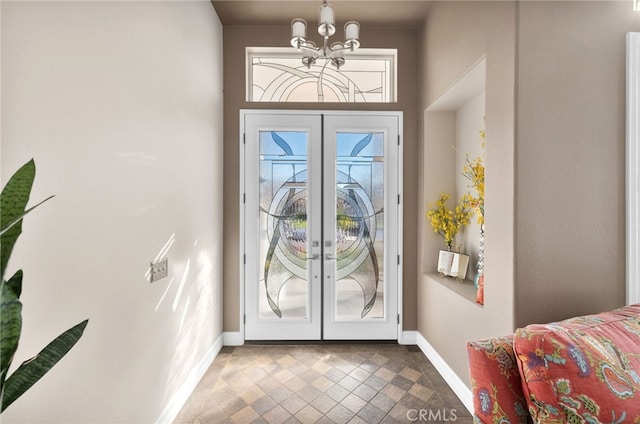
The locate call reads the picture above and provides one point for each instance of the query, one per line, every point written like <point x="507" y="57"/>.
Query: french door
<point x="321" y="225"/>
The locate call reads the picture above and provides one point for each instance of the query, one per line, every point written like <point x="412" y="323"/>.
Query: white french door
<point x="321" y="225"/>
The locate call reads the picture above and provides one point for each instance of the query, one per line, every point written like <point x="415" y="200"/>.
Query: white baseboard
<point x="408" y="338"/>
<point x="174" y="406"/>
<point x="457" y="385"/>
<point x="232" y="338"/>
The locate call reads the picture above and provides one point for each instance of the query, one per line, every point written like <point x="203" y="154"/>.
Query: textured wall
<point x="570" y="158"/>
<point x="120" y="105"/>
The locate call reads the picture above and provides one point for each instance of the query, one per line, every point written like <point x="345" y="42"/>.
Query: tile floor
<point x="327" y="383"/>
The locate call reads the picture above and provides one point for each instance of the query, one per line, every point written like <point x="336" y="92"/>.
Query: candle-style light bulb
<point x="351" y="35"/>
<point x="298" y="32"/>
<point x="326" y="27"/>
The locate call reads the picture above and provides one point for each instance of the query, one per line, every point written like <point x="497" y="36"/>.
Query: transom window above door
<point x="277" y="75"/>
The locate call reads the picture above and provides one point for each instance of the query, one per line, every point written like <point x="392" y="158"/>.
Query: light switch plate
<point x="159" y="269"/>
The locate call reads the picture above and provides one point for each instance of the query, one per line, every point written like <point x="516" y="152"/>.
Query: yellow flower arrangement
<point x="448" y="222"/>
<point x="474" y="172"/>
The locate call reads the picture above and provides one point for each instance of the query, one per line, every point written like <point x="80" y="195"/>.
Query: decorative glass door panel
<point x="316" y="226"/>
<point x="281" y="234"/>
<point x="283" y="224"/>
<point x="361" y="229"/>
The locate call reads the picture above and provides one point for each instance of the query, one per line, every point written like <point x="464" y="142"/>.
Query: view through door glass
<point x="283" y="224"/>
<point x="359" y="225"/>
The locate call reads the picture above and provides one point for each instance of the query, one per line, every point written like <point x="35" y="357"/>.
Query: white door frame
<point x="242" y="205"/>
<point x="633" y="167"/>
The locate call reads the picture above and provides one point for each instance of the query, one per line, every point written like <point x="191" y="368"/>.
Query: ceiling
<point x="379" y="13"/>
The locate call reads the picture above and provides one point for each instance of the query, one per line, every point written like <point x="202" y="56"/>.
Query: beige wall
<point x="555" y="121"/>
<point x="236" y="38"/>
<point x="455" y="37"/>
<point x="120" y="105"/>
<point x="570" y="164"/>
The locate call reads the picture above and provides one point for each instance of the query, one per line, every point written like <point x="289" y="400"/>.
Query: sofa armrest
<point x="495" y="382"/>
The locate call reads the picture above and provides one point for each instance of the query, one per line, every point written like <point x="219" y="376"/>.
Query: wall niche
<point x="452" y="134"/>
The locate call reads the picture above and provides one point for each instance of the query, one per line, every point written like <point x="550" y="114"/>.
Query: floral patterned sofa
<point x="581" y="370"/>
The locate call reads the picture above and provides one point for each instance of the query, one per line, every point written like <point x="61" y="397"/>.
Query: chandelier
<point x="326" y="28"/>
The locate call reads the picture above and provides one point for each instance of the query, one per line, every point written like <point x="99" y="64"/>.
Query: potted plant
<point x="13" y="201"/>
<point x="447" y="223"/>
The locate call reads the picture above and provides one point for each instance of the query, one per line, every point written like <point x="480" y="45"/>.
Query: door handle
<point x="328" y="257"/>
<point x="314" y="256"/>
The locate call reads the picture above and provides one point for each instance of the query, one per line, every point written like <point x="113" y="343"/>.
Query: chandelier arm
<point x="309" y="51"/>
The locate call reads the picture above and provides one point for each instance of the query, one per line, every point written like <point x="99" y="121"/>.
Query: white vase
<point x="453" y="264"/>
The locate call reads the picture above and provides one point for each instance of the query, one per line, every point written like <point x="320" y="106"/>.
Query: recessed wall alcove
<point x="452" y="133"/>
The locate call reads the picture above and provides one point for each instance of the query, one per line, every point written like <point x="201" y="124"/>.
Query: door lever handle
<point x="314" y="256"/>
<point x="329" y="257"/>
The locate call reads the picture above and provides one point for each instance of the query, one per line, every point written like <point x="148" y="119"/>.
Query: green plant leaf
<point x="19" y="219"/>
<point x="10" y="322"/>
<point x="33" y="369"/>
<point x="13" y="201"/>
<point x="15" y="283"/>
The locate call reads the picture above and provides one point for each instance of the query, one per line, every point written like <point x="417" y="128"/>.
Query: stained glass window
<point x="278" y="75"/>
